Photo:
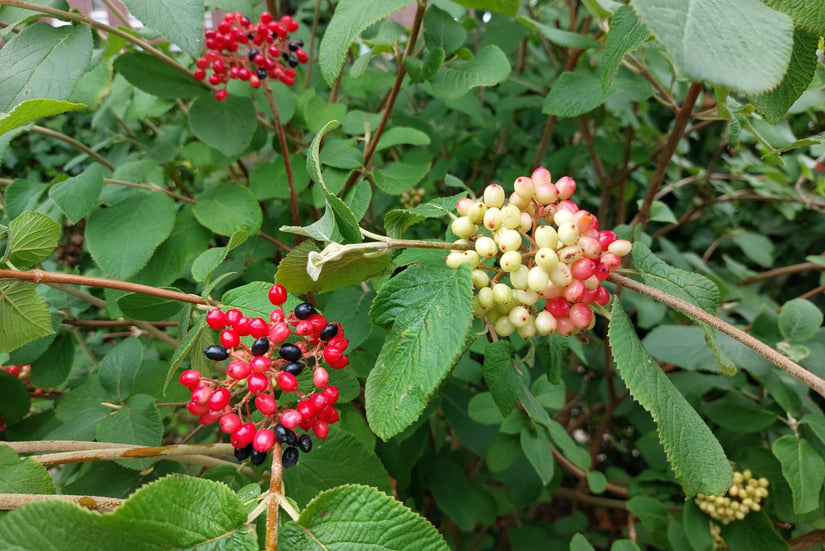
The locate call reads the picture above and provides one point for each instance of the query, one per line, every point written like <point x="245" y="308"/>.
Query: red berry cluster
<point x="265" y="371"/>
<point x="267" y="51"/>
<point x="548" y="249"/>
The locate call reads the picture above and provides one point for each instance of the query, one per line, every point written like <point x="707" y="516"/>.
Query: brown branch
<point x="576" y="495"/>
<point x="93" y="503"/>
<point x="275" y="489"/>
<point x="813" y="292"/>
<point x="114" y="323"/>
<point x="807" y="541"/>
<point x="683" y="116"/>
<point x="279" y="130"/>
<point x="785" y="270"/>
<point x="393" y="95"/>
<point x="756" y="345"/>
<point x="74" y="143"/>
<point x="577" y="472"/>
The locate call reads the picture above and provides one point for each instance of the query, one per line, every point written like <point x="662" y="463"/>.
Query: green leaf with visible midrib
<point x="23" y="476"/>
<point x="181" y="21"/>
<point x="24" y="315"/>
<point x="626" y="34"/>
<point x="430" y="311"/>
<point x="118" y="370"/>
<point x="78" y="195"/>
<point x="694" y="453"/>
<point x="156" y="77"/>
<point x="33" y="109"/>
<point x="803" y="469"/>
<point x="489" y="67"/>
<point x="33" y="237"/>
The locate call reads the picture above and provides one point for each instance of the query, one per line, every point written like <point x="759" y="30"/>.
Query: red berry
<point x="581" y="316"/>
<point x="233" y="315"/>
<point x="291" y="418"/>
<point x="209" y="418"/>
<point x="583" y="268"/>
<point x="277" y="294"/>
<point x="260" y="364"/>
<point x="202" y="63"/>
<point x="339" y="341"/>
<point x="331" y="394"/>
<point x="304" y="328"/>
<point x="230" y="338"/>
<point x="266" y="18"/>
<point x="606" y="237"/>
<point x="201" y="394"/>
<point x="301" y="55"/>
<point x="318" y="402"/>
<point x="321" y="429"/>
<point x="257" y="383"/>
<point x="258" y="328"/>
<point x="230" y="422"/>
<point x="197" y="409"/>
<point x="242" y="437"/>
<point x="287" y="382"/>
<point x="558" y="307"/>
<point x="279" y="332"/>
<point x="219" y="399"/>
<point x="242" y="326"/>
<point x="264" y="440"/>
<point x="277" y="316"/>
<point x="190" y="378"/>
<point x="332" y="416"/>
<point x="199" y="74"/>
<point x="216" y="319"/>
<point x="331" y="355"/>
<point x="266" y="404"/>
<point x="340" y="363"/>
<point x="320" y="378"/>
<point x="238" y="369"/>
<point x="603" y="297"/>
<point x="305" y="409"/>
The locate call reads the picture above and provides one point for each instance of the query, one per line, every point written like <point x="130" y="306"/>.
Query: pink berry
<point x="291" y="418"/>
<point x="209" y="418"/>
<point x="266" y="404"/>
<point x="230" y="422"/>
<point x="257" y="383"/>
<point x="575" y="291"/>
<point x="264" y="440"/>
<point x="287" y="382"/>
<point x="583" y="268"/>
<point x="201" y="394"/>
<point x="581" y="316"/>
<point x="238" y="369"/>
<point x="321" y="429"/>
<point x="277" y="316"/>
<point x="320" y="378"/>
<point x="219" y="399"/>
<point x="279" y="332"/>
<point x="566" y="186"/>
<point x="541" y="176"/>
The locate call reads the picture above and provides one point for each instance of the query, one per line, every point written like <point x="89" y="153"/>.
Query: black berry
<point x="252" y="53"/>
<point x="290" y="457"/>
<point x="216" y="352"/>
<point x="260" y="346"/>
<point x="294" y="367"/>
<point x="293" y="61"/>
<point x="305" y="442"/>
<point x="329" y="331"/>
<point x="243" y="453"/>
<point x="257" y="457"/>
<point x="285" y="435"/>
<point x="290" y="352"/>
<point x="304" y="310"/>
<point x="261" y="73"/>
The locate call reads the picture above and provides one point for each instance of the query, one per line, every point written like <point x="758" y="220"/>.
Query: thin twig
<point x="785" y="270"/>
<point x="93" y="503"/>
<point x="756" y="345"/>
<point x="74" y="143"/>
<point x="572" y="469"/>
<point x="279" y="129"/>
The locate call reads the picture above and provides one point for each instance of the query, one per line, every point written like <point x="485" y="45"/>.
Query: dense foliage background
<point x="695" y="129"/>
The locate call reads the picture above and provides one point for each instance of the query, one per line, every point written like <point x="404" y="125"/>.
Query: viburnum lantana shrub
<point x="476" y="274"/>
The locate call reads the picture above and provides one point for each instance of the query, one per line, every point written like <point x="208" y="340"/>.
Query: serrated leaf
<point x="30" y="60"/>
<point x="24" y="315"/>
<point x="626" y="34"/>
<point x="137" y="422"/>
<point x="156" y="77"/>
<point x="803" y="469"/>
<point x="712" y="40"/>
<point x="227" y="125"/>
<point x="489" y="67"/>
<point x="147" y="307"/>
<point x="694" y="454"/>
<point x="397" y="221"/>
<point x="227" y="209"/>
<point x="14" y="398"/>
<point x="33" y="236"/>
<point x="119" y="368"/>
<point x="539" y="453"/>
<point x="774" y="104"/>
<point x="181" y="21"/>
<point x="360" y="517"/>
<point x="33" y="109"/>
<point x="175" y="512"/>
<point x="755" y="532"/>
<point x="398" y="178"/>
<point x="338" y="460"/>
<point x="23" y="476"/>
<point x="799" y="320"/>
<point x="78" y="195"/>
<point x="808" y="15"/>
<point x="693" y="288"/>
<point x="350" y="19"/>
<point x="500" y="375"/>
<point x="431" y="315"/>
<point x="574" y="93"/>
<point x="556" y="348"/>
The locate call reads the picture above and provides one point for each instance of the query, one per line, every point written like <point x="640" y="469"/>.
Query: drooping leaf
<point x="77" y="196"/>
<point x="156" y="77"/>
<point x="442" y="31"/>
<point x="23" y="476"/>
<point x="803" y="469"/>
<point x="560" y="37"/>
<point x="181" y="21"/>
<point x="574" y="93"/>
<point x="626" y="34"/>
<point x="398" y="220"/>
<point x="712" y="40"/>
<point x="33" y="109"/>
<point x="24" y="315"/>
<point x="31" y="59"/>
<point x="539" y="453"/>
<point x="33" y="236"/>
<point x="694" y="454"/>
<point x="488" y="68"/>
<point x="402" y="135"/>
<point x="429" y="309"/>
<point x="191" y="345"/>
<point x="227" y="125"/>
<point x="693" y="288"/>
<point x="350" y="19"/>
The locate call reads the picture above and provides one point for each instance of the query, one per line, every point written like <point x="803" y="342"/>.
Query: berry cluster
<point x="744" y="496"/>
<point x="267" y="52"/>
<point x="546" y="246"/>
<point x="270" y="365"/>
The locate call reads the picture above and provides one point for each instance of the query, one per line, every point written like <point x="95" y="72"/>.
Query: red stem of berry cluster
<point x="279" y="129"/>
<point x="758" y="346"/>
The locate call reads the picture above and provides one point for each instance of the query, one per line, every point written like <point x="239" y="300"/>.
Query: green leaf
<point x="181" y="21"/>
<point x="360" y="517"/>
<point x="322" y="229"/>
<point x="568" y="447"/>
<point x="504" y="7"/>
<point x="756" y="247"/>
<point x="190" y="346"/>
<point x="188" y="238"/>
<point x="33" y="109"/>
<point x="580" y="543"/>
<point x="774" y="104"/>
<point x="539" y="453"/>
<point x="500" y="375"/>
<point x="77" y="196"/>
<point x="137" y="422"/>
<point x="442" y="31"/>
<point x="574" y="93"/>
<point x="626" y="34"/>
<point x="799" y="320"/>
<point x="33" y="236"/>
<point x="488" y="68"/>
<point x="755" y="532"/>
<point x="807" y="15"/>
<point x="713" y="40"/>
<point x="14" y="398"/>
<point x="350" y="19"/>
<point x="147" y="307"/>
<point x="559" y="37"/>
<point x="229" y="208"/>
<point x="269" y="181"/>
<point x="596" y="482"/>
<point x="30" y="60"/>
<point x="227" y="125"/>
<point x="430" y="311"/>
<point x="402" y="135"/>
<point x="693" y="288"/>
<point x="253" y="299"/>
<point x="803" y="469"/>
<point x="123" y="237"/>
<point x="697" y="527"/>
<point x="483" y="410"/>
<point x="175" y="512"/>
<point x="23" y="476"/>
<point x="53" y="368"/>
<point x="397" y="178"/>
<point x="397" y="221"/>
<point x="725" y="364"/>
<point x="692" y="450"/>
<point x="350" y="269"/>
<point x="737" y="413"/>
<point x="338" y="460"/>
<point x="623" y="545"/>
<point x="24" y="315"/>
<point x="118" y="370"/>
<point x="157" y="77"/>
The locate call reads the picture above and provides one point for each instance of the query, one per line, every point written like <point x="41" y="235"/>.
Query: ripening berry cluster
<point x="539" y="246"/>
<point x="251" y="52"/>
<point x="744" y="496"/>
<point x="264" y="373"/>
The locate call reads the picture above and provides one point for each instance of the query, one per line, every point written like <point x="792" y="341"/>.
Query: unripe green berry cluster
<point x="538" y="260"/>
<point x="744" y="496"/>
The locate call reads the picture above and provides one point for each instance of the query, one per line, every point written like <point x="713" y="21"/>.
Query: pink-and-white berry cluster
<point x="262" y="374"/>
<point x="538" y="260"/>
